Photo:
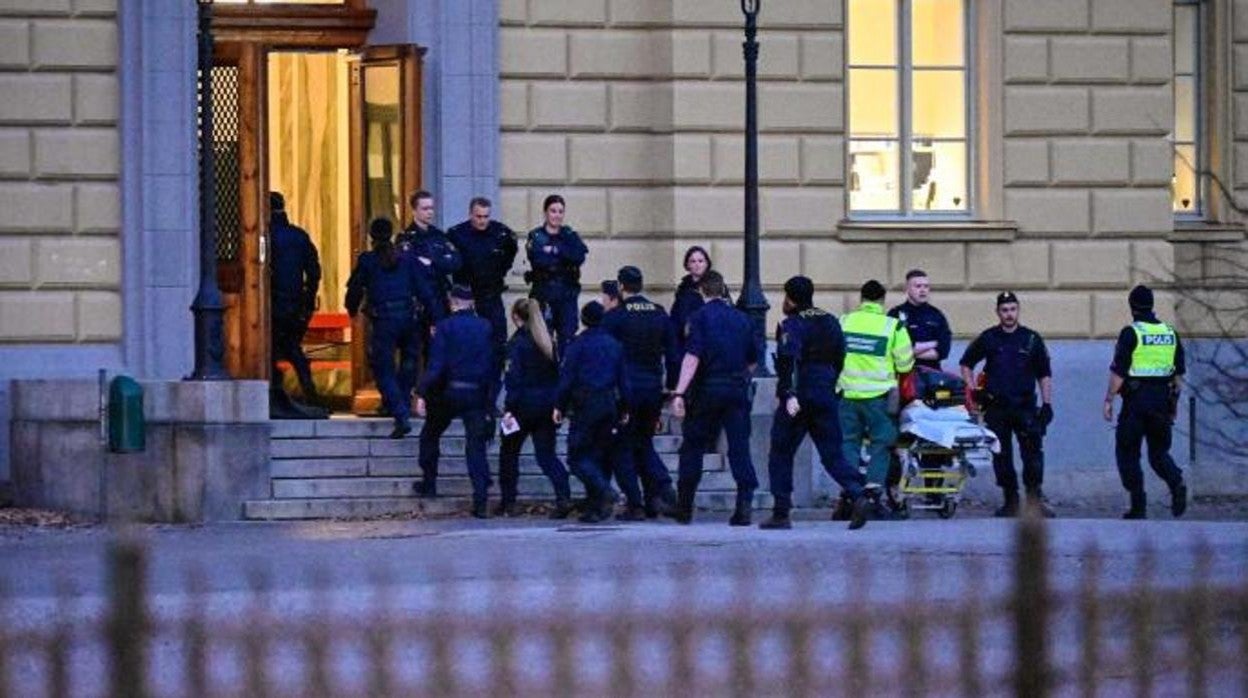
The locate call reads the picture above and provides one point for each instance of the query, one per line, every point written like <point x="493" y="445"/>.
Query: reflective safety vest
<point x="877" y="348"/>
<point x="1155" y="346"/>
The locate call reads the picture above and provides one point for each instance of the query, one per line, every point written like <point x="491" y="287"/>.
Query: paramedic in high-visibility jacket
<point x="877" y="350"/>
<point x="1148" y="363"/>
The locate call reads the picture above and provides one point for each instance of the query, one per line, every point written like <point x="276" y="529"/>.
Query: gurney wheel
<point x="948" y="509"/>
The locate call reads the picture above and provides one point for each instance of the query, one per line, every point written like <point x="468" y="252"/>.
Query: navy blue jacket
<point x="432" y="244"/>
<point x="461" y="352"/>
<point x="810" y="353"/>
<point x="531" y="378"/>
<point x="925" y="323"/>
<point x="687" y="300"/>
<point x="486" y="257"/>
<point x="643" y="328"/>
<point x="393" y="292"/>
<point x="1014" y="361"/>
<point x="295" y="268"/>
<point x="563" y="265"/>
<point x="592" y="367"/>
<point x="723" y="340"/>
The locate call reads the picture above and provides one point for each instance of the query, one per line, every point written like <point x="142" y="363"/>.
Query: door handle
<point x="263" y="253"/>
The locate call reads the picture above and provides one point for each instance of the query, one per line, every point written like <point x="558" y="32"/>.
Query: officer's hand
<point x="425" y="261"/>
<point x="1108" y="411"/>
<point x="792" y="406"/>
<point x="549" y="249"/>
<point x="556" y="416"/>
<point x="420" y="407"/>
<point x="1046" y="414"/>
<point x="678" y="406"/>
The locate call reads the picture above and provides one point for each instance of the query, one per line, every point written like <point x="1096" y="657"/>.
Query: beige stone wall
<point x="633" y="110"/>
<point x="60" y="205"/>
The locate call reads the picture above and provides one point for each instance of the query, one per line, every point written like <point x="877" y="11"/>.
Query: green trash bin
<point x="127" y="431"/>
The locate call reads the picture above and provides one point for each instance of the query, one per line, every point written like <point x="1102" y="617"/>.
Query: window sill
<point x="926" y="231"/>
<point x="1206" y="231"/>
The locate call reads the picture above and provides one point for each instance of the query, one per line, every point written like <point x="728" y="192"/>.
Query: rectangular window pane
<point x="872" y="103"/>
<point x="874" y="182"/>
<point x="936" y="33"/>
<point x="939" y="176"/>
<point x="1184" y="108"/>
<point x="1185" y="39"/>
<point x="873" y="32"/>
<point x="939" y="104"/>
<point x="1185" y="199"/>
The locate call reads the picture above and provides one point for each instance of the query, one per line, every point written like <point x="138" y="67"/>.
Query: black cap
<point x="873" y="290"/>
<point x="800" y="290"/>
<point x="380" y="229"/>
<point x="461" y="292"/>
<point x="277" y="202"/>
<point x="611" y="288"/>
<point x="592" y="314"/>
<point x="1006" y="297"/>
<point x="629" y="275"/>
<point x="1141" y="298"/>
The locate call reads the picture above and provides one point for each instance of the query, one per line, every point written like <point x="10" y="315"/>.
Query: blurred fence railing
<point x="685" y="631"/>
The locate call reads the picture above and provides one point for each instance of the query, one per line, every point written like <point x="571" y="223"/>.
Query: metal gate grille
<point x="225" y="140"/>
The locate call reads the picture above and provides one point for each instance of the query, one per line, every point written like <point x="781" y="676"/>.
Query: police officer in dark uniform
<point x="532" y="380"/>
<point x="593" y="389"/>
<point x="393" y="286"/>
<point x="456" y="384"/>
<point x="424" y="242"/>
<point x="1015" y="360"/>
<point x="686" y="301"/>
<point x="720" y="356"/>
<point x="810" y="353"/>
<point x="929" y="330"/>
<point x="295" y="278"/>
<point x="487" y="249"/>
<point x="644" y="329"/>
<point x="556" y="254"/>
<point x="1148" y="362"/>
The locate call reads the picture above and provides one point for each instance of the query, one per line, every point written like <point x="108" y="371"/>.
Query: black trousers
<point x="287" y="343"/>
<point x="468" y="405"/>
<point x="1022" y="423"/>
<point x="1140" y="422"/>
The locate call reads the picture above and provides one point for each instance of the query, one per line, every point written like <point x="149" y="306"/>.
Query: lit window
<point x="908" y="104"/>
<point x="1187" y="132"/>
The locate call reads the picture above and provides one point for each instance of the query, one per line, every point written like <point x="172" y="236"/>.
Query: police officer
<point x="687" y="300"/>
<point x="487" y="249"/>
<point x="929" y="330"/>
<point x="456" y="384"/>
<point x="644" y="329"/>
<point x="392" y="285"/>
<point x="556" y="254"/>
<point x="715" y="374"/>
<point x="295" y="279"/>
<point x="593" y="390"/>
<point x="532" y="379"/>
<point x="1015" y="360"/>
<point x="810" y="353"/>
<point x="877" y="349"/>
<point x="610" y="298"/>
<point x="423" y="241"/>
<point x="1148" y="362"/>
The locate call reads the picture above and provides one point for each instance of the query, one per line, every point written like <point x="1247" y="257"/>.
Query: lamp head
<point x="750" y="7"/>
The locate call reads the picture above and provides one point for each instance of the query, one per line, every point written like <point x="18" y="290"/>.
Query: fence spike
<point x="858" y="628"/>
<point x="378" y="636"/>
<point x="969" y="631"/>
<point x="1199" y="620"/>
<point x="195" y="635"/>
<point x="443" y="631"/>
<point x="1031" y="608"/>
<point x="683" y="676"/>
<point x="914" y="627"/>
<point x="503" y="633"/>
<point x="1090" y="620"/>
<point x="59" y="644"/>
<point x="621" y="628"/>
<point x="255" y="635"/>
<point x="5" y="646"/>
<point x="741" y="627"/>
<point x="128" y="622"/>
<point x="1142" y="606"/>
<point x="316" y="638"/>
<point x="800" y="673"/>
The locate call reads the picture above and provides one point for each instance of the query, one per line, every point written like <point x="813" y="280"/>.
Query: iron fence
<point x="744" y="629"/>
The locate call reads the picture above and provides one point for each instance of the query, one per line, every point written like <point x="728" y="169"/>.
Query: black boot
<point x="632" y="514"/>
<point x="1139" y="507"/>
<point x="508" y="509"/>
<point x="1178" y="499"/>
<point x="683" y="511"/>
<point x="742" y="515"/>
<point x="1037" y="502"/>
<point x="479" y="510"/>
<point x="779" y="520"/>
<point x="402" y="428"/>
<point x="425" y="489"/>
<point x="563" y="508"/>
<point x="860" y="511"/>
<point x="844" y="508"/>
<point x="1009" y="509"/>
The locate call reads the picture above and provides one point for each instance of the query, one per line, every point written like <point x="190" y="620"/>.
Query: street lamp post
<point x="208" y="307"/>
<point x="752" y="300"/>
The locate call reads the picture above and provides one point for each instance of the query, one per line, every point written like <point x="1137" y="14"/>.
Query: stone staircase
<point x="346" y="467"/>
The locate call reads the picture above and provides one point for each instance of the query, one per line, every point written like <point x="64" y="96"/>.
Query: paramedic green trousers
<point x="868" y="419"/>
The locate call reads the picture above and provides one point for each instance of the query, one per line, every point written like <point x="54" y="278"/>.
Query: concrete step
<point x="357" y="447"/>
<point x="347" y="426"/>
<point x="407" y="466"/>
<point x="362" y="508"/>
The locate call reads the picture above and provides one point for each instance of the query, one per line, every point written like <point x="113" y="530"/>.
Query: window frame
<point x="1199" y="143"/>
<point x="905" y="140"/>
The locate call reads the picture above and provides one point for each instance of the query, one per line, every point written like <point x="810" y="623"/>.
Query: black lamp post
<point x="752" y="300"/>
<point x="208" y="307"/>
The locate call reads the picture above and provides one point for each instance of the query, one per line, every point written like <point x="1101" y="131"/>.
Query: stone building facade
<point x="632" y="109"/>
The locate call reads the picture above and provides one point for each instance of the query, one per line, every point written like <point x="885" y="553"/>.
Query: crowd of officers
<point x="434" y="300"/>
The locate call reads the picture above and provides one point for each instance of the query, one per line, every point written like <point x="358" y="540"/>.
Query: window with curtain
<point x="908" y="108"/>
<point x="1185" y="186"/>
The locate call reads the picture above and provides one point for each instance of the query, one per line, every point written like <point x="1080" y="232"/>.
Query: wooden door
<point x="385" y="168"/>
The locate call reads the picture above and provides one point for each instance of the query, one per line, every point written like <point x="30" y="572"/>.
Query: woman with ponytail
<point x="392" y="290"/>
<point x="531" y="379"/>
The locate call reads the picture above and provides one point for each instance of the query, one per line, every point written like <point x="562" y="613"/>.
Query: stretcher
<point x="939" y="450"/>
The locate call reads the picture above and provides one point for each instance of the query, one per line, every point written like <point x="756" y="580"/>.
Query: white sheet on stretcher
<point x="944" y="425"/>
